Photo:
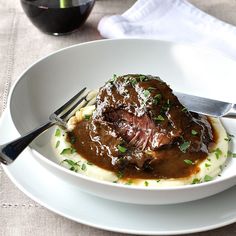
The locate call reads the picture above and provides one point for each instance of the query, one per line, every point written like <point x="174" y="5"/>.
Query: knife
<point x="207" y="106"/>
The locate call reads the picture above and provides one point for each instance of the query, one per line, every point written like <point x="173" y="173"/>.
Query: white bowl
<point x="53" y="80"/>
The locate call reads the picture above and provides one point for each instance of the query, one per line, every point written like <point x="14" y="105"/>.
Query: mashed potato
<point x="69" y="158"/>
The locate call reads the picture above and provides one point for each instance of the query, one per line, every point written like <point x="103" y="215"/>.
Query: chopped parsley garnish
<point x="143" y="78"/>
<point x="157" y="98"/>
<point x="113" y="79"/>
<point x="208" y="178"/>
<point x="158" y="180"/>
<point x="229" y="137"/>
<point x="133" y="82"/>
<point x="159" y="118"/>
<point x="146" y="93"/>
<point x="189" y="162"/>
<point x="146" y="183"/>
<point x="150" y="89"/>
<point x="74" y="166"/>
<point x="129" y="182"/>
<point x="207" y="165"/>
<point x="87" y="117"/>
<point x="67" y="151"/>
<point x="184" y="146"/>
<point x="196" y="181"/>
<point x="73" y="150"/>
<point x="218" y="153"/>
<point x="166" y="106"/>
<point x="83" y="167"/>
<point x="122" y="149"/>
<point x="231" y="154"/>
<point x="194" y="132"/>
<point x="184" y="109"/>
<point x="58" y="133"/>
<point x="57" y="144"/>
<point x="120" y="175"/>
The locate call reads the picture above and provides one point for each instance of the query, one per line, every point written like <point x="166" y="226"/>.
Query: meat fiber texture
<point x="145" y="113"/>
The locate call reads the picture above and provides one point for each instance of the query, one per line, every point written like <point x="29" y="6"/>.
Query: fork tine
<point x="71" y="109"/>
<point x="67" y="104"/>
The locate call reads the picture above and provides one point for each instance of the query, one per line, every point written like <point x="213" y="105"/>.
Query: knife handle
<point x="232" y="112"/>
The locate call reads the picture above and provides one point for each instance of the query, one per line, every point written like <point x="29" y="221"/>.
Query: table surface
<point x="21" y="44"/>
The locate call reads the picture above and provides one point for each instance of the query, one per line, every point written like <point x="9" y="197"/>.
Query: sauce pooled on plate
<point x="140" y="130"/>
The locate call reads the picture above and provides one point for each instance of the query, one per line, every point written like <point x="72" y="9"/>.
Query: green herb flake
<point x="57" y="144"/>
<point x="150" y="89"/>
<point x="133" y="82"/>
<point x="184" y="109"/>
<point x="159" y="118"/>
<point x="194" y="132"/>
<point x="73" y="150"/>
<point x="113" y="79"/>
<point x="207" y="165"/>
<point x="157" y="98"/>
<point x="129" y="182"/>
<point x="196" y="181"/>
<point x="146" y="183"/>
<point x="218" y="153"/>
<point x="231" y="154"/>
<point x="122" y="149"/>
<point x="66" y="151"/>
<point x="146" y="93"/>
<point x="208" y="178"/>
<point x="120" y="174"/>
<point x="189" y="162"/>
<point x="83" y="167"/>
<point x="158" y="180"/>
<point x="143" y="78"/>
<point x="58" y="133"/>
<point x="87" y="117"/>
<point x="184" y="146"/>
<point x="74" y="166"/>
<point x="229" y="137"/>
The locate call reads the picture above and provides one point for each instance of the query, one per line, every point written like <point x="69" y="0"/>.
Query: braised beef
<point x="140" y="128"/>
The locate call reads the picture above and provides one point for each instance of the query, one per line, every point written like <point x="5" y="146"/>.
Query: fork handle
<point x="10" y="151"/>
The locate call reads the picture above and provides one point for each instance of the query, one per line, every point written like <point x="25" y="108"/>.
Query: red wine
<point x="57" y="17"/>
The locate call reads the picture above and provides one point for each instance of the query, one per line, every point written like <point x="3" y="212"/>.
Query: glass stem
<point x="64" y="3"/>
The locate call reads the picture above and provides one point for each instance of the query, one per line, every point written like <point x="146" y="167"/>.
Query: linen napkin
<point x="171" y="20"/>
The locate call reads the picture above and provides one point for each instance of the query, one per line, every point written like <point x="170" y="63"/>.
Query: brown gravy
<point x="103" y="141"/>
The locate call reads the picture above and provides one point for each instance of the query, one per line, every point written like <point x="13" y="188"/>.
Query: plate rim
<point x="107" y="228"/>
<point x="139" y="188"/>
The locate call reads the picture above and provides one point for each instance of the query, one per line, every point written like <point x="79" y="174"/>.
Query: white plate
<point x="51" y="81"/>
<point x="67" y="200"/>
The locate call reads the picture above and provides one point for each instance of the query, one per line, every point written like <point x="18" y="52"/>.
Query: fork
<point x="10" y="151"/>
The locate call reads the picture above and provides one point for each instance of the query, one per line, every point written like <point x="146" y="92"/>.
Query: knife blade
<point x="207" y="106"/>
